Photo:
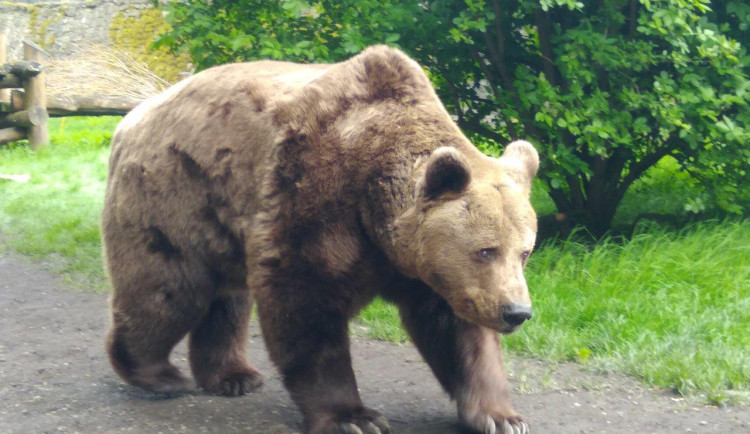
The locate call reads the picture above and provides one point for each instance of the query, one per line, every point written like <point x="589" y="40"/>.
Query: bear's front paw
<point x="362" y="421"/>
<point x="494" y="422"/>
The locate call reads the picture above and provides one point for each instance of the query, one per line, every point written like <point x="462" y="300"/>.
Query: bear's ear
<point x="521" y="161"/>
<point x="447" y="172"/>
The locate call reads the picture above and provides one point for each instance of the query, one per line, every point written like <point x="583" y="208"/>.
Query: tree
<point x="603" y="88"/>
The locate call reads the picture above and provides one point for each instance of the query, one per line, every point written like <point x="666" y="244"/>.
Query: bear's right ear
<point x="447" y="172"/>
<point x="521" y="162"/>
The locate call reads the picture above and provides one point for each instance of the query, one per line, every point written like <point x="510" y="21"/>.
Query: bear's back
<point x="190" y="106"/>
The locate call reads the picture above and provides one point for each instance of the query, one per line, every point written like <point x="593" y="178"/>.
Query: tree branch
<point x="557" y="195"/>
<point x="576" y="193"/>
<point x="498" y="29"/>
<point x="477" y="128"/>
<point x="454" y="95"/>
<point x="497" y="49"/>
<point x="486" y="71"/>
<point x="543" y="27"/>
<point x="632" y="19"/>
<point x="616" y="163"/>
<point x="637" y="169"/>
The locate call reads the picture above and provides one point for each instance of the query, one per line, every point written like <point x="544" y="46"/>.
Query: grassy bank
<point x="56" y="213"/>
<point x="669" y="307"/>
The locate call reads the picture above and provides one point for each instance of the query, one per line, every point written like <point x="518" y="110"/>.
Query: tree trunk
<point x="593" y="209"/>
<point x="600" y="211"/>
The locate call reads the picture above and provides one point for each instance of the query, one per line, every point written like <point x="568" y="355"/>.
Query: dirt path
<point x="54" y="378"/>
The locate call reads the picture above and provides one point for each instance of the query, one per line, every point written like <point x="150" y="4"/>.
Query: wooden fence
<point x="23" y="114"/>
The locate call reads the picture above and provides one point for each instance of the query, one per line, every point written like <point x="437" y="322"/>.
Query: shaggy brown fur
<point x="310" y="189"/>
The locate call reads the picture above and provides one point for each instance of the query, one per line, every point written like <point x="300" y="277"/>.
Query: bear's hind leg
<point x="218" y="347"/>
<point x="159" y="295"/>
<point x="141" y="357"/>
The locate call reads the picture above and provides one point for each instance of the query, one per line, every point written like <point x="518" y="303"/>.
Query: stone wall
<point x="59" y="26"/>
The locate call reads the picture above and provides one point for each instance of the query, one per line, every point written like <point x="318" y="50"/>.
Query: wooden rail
<point x="4" y="93"/>
<point x="23" y="116"/>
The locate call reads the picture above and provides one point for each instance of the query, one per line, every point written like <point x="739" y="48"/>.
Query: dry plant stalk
<point x="102" y="70"/>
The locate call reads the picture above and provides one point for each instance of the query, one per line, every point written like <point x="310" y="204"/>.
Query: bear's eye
<point x="487" y="254"/>
<point x="525" y="255"/>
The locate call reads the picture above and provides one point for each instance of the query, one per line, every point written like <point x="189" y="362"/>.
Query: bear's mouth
<point x="468" y="310"/>
<point x="506" y="329"/>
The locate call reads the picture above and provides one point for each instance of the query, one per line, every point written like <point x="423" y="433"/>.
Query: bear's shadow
<point x="392" y="379"/>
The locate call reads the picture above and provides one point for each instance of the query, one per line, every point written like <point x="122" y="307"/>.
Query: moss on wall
<point x="135" y="34"/>
<point x="38" y="27"/>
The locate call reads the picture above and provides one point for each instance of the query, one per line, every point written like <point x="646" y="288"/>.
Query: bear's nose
<point x="515" y="314"/>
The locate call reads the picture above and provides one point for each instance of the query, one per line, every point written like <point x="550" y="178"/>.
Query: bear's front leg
<point x="466" y="358"/>
<point x="306" y="332"/>
<point x="482" y="394"/>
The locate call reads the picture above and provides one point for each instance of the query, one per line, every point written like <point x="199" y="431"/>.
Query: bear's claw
<point x="486" y="424"/>
<point x="239" y="384"/>
<point x="515" y="428"/>
<point x="359" y="424"/>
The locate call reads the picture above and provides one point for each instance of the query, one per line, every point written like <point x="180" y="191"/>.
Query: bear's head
<point x="472" y="229"/>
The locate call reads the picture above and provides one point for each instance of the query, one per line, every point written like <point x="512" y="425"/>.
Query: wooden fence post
<point x="35" y="96"/>
<point x="4" y="93"/>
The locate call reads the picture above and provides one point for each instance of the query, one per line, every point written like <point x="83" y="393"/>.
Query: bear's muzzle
<point x="515" y="314"/>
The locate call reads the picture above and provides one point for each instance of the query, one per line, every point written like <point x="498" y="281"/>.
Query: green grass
<point x="56" y="213"/>
<point x="668" y="307"/>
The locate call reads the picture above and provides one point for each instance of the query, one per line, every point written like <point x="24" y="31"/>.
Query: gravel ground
<point x="54" y="377"/>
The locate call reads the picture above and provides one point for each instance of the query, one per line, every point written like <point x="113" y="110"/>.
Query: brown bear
<point x="309" y="190"/>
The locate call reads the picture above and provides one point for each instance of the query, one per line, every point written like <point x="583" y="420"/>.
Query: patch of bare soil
<point x="54" y="377"/>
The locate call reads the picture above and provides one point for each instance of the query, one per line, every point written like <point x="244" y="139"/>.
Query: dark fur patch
<point x="255" y="94"/>
<point x="157" y="242"/>
<point x="116" y="153"/>
<point x="303" y="230"/>
<point x="229" y="264"/>
<point x="270" y="262"/>
<point x="192" y="168"/>
<point x="120" y="353"/>
<point x="325" y="330"/>
<point x="219" y="319"/>
<point x="223" y="110"/>
<point x="214" y="201"/>
<point x="236" y="251"/>
<point x="222" y="153"/>
<point x="132" y="173"/>
<point x="289" y="170"/>
<point x="437" y="279"/>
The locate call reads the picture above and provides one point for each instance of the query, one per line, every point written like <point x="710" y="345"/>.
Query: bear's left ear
<point x="447" y="172"/>
<point x="521" y="161"/>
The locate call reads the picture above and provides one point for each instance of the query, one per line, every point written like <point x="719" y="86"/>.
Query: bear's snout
<point x="515" y="314"/>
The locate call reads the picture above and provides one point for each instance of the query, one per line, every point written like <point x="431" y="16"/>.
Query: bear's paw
<point x="234" y="383"/>
<point x="362" y="421"/>
<point x="488" y="422"/>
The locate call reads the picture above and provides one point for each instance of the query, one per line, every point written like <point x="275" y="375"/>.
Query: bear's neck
<point x="389" y="195"/>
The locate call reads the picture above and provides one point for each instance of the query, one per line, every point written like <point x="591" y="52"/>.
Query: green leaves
<point x="605" y="89"/>
<point x="215" y="32"/>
